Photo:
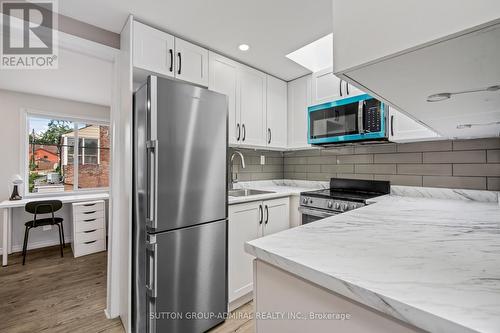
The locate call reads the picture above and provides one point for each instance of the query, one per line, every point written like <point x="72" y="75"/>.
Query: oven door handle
<point x="316" y="212"/>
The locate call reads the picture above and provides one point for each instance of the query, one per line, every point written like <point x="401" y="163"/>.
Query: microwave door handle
<point x="361" y="111"/>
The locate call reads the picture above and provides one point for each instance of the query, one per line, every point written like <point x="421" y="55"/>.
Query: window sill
<point x="67" y="193"/>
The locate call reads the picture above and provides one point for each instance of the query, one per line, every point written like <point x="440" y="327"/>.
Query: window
<point x="55" y="145"/>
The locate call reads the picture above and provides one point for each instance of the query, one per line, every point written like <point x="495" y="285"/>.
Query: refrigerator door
<point x="139" y="212"/>
<point x="188" y="137"/>
<point x="186" y="271"/>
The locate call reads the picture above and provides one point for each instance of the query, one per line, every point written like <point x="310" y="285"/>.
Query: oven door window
<point x="334" y="121"/>
<point x="310" y="218"/>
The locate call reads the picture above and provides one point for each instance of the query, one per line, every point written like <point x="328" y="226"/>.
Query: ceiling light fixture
<point x="244" y="47"/>
<point x="443" y="96"/>
<point x="463" y="126"/>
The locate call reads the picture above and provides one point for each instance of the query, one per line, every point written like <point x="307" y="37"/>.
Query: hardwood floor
<point x="54" y="294"/>
<point x="240" y="321"/>
<point x="51" y="294"/>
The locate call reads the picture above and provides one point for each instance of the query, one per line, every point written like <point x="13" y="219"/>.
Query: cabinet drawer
<point x="89" y="247"/>
<point x="87" y="216"/>
<point x="85" y="207"/>
<point x="89" y="235"/>
<point x="91" y="224"/>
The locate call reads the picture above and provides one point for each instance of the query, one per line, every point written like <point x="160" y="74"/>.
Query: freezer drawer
<point x="186" y="274"/>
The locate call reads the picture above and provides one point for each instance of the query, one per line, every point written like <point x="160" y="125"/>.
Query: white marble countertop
<point x="281" y="188"/>
<point x="433" y="263"/>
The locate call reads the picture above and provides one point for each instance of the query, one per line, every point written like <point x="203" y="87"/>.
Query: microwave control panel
<point x="372" y="116"/>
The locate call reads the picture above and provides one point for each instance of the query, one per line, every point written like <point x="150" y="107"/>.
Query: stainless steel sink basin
<point x="246" y="192"/>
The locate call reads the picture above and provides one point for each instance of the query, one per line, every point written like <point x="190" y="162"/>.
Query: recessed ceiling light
<point x="315" y="56"/>
<point x="244" y="47"/>
<point x="443" y="96"/>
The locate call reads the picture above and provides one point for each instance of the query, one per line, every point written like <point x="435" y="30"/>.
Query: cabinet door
<point x="223" y="76"/>
<point x="153" y="50"/>
<point x="276" y="215"/>
<point x="299" y="92"/>
<point x="191" y="63"/>
<point x="276" y="112"/>
<point x="252" y="104"/>
<point x="404" y="129"/>
<point x="326" y="87"/>
<point x="244" y="225"/>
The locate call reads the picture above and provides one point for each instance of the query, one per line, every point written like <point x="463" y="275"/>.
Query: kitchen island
<point x="401" y="264"/>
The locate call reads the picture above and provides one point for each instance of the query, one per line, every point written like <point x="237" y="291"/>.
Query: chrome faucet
<point x="234" y="180"/>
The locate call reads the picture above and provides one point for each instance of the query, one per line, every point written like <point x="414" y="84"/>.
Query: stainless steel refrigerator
<point x="179" y="208"/>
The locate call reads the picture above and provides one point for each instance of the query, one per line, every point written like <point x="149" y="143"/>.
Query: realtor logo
<point x="29" y="33"/>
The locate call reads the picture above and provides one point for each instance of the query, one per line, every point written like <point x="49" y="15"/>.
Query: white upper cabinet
<point x="191" y="62"/>
<point x="404" y="129"/>
<point x="326" y="87"/>
<point x="298" y="96"/>
<point x="276" y="113"/>
<point x="223" y="78"/>
<point x="252" y="106"/>
<point x="403" y="62"/>
<point x="158" y="52"/>
<point x="153" y="50"/>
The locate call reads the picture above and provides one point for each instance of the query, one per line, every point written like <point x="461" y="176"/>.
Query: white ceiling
<point x="272" y="28"/>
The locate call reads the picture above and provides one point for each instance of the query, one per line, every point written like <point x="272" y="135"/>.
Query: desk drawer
<point x="89" y="235"/>
<point x="86" y="216"/>
<point x="90" y="224"/>
<point x="85" y="207"/>
<point x="89" y="247"/>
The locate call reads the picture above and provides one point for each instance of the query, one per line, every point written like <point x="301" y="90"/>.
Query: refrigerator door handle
<point x="152" y="271"/>
<point x="151" y="147"/>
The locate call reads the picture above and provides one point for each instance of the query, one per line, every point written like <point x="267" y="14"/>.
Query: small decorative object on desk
<point x="16" y="180"/>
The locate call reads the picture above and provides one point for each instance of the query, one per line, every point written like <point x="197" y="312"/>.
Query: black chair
<point x="43" y="207"/>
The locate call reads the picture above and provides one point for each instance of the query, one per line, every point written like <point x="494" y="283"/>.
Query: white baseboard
<point x="38" y="245"/>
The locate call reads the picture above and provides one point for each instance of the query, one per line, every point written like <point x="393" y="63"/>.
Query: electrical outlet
<point x="47" y="227"/>
<point x="262" y="159"/>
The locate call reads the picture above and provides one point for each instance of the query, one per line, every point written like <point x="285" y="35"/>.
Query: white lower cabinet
<point x="248" y="221"/>
<point x="89" y="233"/>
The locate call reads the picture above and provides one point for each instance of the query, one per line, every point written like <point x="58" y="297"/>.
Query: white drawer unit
<point x="89" y="228"/>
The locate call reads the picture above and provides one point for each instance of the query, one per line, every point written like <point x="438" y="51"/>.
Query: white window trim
<point x="26" y="113"/>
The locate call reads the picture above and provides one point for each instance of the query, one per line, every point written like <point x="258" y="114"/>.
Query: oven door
<point x="311" y="215"/>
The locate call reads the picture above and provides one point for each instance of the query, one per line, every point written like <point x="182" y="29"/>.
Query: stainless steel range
<point x="342" y="196"/>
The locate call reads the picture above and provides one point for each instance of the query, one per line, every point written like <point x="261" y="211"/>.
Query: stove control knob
<point x="310" y="201"/>
<point x="337" y="205"/>
<point x="330" y="204"/>
<point x="304" y="200"/>
<point x="344" y="207"/>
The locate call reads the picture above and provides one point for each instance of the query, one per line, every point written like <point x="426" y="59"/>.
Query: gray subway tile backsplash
<point x="470" y="164"/>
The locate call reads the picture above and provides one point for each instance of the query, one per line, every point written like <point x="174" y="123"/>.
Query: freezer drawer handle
<point x="152" y="272"/>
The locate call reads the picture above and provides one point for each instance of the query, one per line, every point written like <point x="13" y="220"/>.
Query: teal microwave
<point x="352" y="119"/>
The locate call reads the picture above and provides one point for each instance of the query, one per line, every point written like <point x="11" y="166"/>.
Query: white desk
<point x="7" y="206"/>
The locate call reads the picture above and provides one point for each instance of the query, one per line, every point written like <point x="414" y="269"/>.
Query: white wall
<point x="11" y="104"/>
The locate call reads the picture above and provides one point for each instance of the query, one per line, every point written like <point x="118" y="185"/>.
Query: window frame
<point x="26" y="114"/>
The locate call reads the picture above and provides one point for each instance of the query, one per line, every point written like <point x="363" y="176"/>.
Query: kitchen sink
<point x="246" y="192"/>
